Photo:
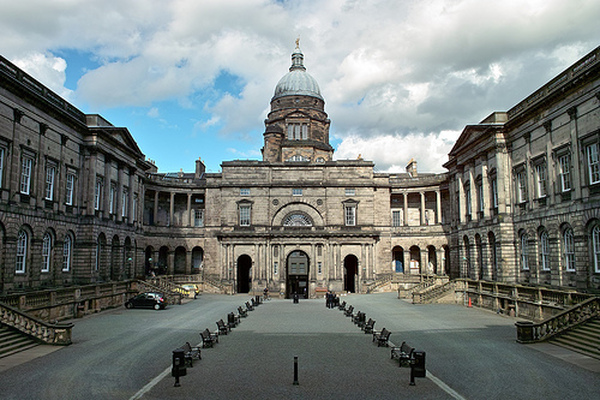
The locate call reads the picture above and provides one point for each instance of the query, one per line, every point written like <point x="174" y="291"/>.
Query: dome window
<point x="297" y="131"/>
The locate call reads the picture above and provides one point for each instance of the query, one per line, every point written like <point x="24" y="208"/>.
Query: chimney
<point x="200" y="168"/>
<point x="411" y="168"/>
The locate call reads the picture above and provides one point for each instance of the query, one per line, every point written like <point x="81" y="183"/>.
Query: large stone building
<point x="80" y="203"/>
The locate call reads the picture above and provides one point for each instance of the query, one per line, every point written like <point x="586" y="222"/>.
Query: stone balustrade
<point x="530" y="332"/>
<point x="56" y="334"/>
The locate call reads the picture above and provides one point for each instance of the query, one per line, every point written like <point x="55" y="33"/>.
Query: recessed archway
<point x="350" y="273"/>
<point x="244" y="274"/>
<point x="297" y="274"/>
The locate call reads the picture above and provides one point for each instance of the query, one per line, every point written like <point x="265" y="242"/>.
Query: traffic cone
<point x="470" y="302"/>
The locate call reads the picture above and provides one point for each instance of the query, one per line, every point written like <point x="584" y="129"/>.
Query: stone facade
<point x="297" y="221"/>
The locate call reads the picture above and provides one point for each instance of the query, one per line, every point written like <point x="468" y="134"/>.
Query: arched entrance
<point x="197" y="259"/>
<point x="244" y="274"/>
<point x="162" y="266"/>
<point x="115" y="259"/>
<point x="350" y="273"/>
<point x="398" y="259"/>
<point x="180" y="258"/>
<point x="415" y="260"/>
<point x="432" y="260"/>
<point x="297" y="274"/>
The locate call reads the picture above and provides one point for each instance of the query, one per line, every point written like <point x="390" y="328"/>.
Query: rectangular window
<point x="569" y="250"/>
<point x="296" y="192"/>
<point x="2" y="151"/>
<point x="350" y="215"/>
<point x="275" y="267"/>
<point x="397" y="217"/>
<point x="540" y="175"/>
<point x="468" y="208"/>
<point x="544" y="252"/>
<point x="198" y="218"/>
<point x="46" y="252"/>
<point x="593" y="163"/>
<point x="50" y="173"/>
<point x="21" y="252"/>
<point x="67" y="254"/>
<point x="350" y="192"/>
<point x="111" y="198"/>
<point x="319" y="267"/>
<point x="26" y="164"/>
<point x="98" y="193"/>
<point x="495" y="192"/>
<point x="596" y="248"/>
<point x="124" y="202"/>
<point x="244" y="192"/>
<point x="245" y="215"/>
<point x="524" y="253"/>
<point x="70" y="189"/>
<point x="521" y="187"/>
<point x="564" y="171"/>
<point x="297" y="131"/>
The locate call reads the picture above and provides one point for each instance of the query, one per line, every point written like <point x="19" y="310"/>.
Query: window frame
<point x="70" y="180"/>
<point x="198" y="217"/>
<point x="22" y="250"/>
<point x="49" y="181"/>
<point x="25" y="179"/>
<point x="350" y="214"/>
<point x="592" y="151"/>
<point x="397" y="217"/>
<point x="67" y="253"/>
<point x="569" y="250"/>
<point x="98" y="192"/>
<point x="3" y="152"/>
<point x="564" y="172"/>
<point x="245" y="214"/>
<point x="524" y="250"/>
<point x="595" y="237"/>
<point x="541" y="180"/>
<point x="46" y="252"/>
<point x="544" y="251"/>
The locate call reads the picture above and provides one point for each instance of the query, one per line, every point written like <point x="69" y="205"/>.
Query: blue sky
<point x="194" y="79"/>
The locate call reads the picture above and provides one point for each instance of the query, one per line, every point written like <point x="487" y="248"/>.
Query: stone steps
<point x="583" y="339"/>
<point x="13" y="341"/>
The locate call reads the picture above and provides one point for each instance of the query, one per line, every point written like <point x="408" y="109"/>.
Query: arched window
<point x="98" y="253"/>
<point x="596" y="248"/>
<point x="569" y="250"/>
<point x="46" y="252"/>
<point x="22" y="244"/>
<point x="544" y="251"/>
<point x="297" y="220"/>
<point x="524" y="253"/>
<point x="67" y="247"/>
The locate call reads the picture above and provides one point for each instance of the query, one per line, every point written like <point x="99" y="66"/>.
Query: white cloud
<point x="389" y="70"/>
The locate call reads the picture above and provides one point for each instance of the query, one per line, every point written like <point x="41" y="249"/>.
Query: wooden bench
<point x="223" y="329"/>
<point x="243" y="313"/>
<point x="189" y="353"/>
<point x="359" y="319"/>
<point x="342" y="306"/>
<point x="404" y="354"/>
<point x="382" y="337"/>
<point x="368" y="328"/>
<point x="249" y="307"/>
<point x="208" y="339"/>
<point x="349" y="311"/>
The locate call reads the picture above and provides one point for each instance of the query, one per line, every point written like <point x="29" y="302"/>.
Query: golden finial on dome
<point x="298" y="41"/>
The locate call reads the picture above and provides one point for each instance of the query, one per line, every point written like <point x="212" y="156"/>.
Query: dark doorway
<point x="297" y="274"/>
<point x="398" y="254"/>
<point x="180" y="258"/>
<point x="244" y="274"/>
<point x="350" y="273"/>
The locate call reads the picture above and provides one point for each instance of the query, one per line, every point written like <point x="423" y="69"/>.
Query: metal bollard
<point x="296" y="370"/>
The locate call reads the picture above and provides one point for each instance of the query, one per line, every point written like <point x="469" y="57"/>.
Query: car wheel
<point x="128" y="305"/>
<point x="157" y="306"/>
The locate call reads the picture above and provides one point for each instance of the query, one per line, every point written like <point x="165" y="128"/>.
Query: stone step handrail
<point x="530" y="332"/>
<point x="430" y="293"/>
<point x="224" y="288"/>
<point x="55" y="334"/>
<point x="381" y="281"/>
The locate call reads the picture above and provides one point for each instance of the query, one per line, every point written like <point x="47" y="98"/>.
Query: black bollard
<point x="296" y="370"/>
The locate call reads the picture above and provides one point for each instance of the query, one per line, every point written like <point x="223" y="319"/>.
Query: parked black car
<point x="147" y="300"/>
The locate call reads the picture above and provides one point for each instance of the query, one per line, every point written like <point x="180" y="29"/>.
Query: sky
<point x="194" y="78"/>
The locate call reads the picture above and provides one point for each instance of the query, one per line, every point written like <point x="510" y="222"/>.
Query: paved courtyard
<point x="471" y="354"/>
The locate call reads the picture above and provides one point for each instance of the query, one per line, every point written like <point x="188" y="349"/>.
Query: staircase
<point x="584" y="338"/>
<point x="13" y="341"/>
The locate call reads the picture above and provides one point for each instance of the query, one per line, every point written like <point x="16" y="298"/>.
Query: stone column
<point x="405" y="195"/>
<point x="189" y="209"/>
<point x="423" y="219"/>
<point x="171" y="208"/>
<point x="438" y="207"/>
<point x="156" y="193"/>
<point x="578" y="167"/>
